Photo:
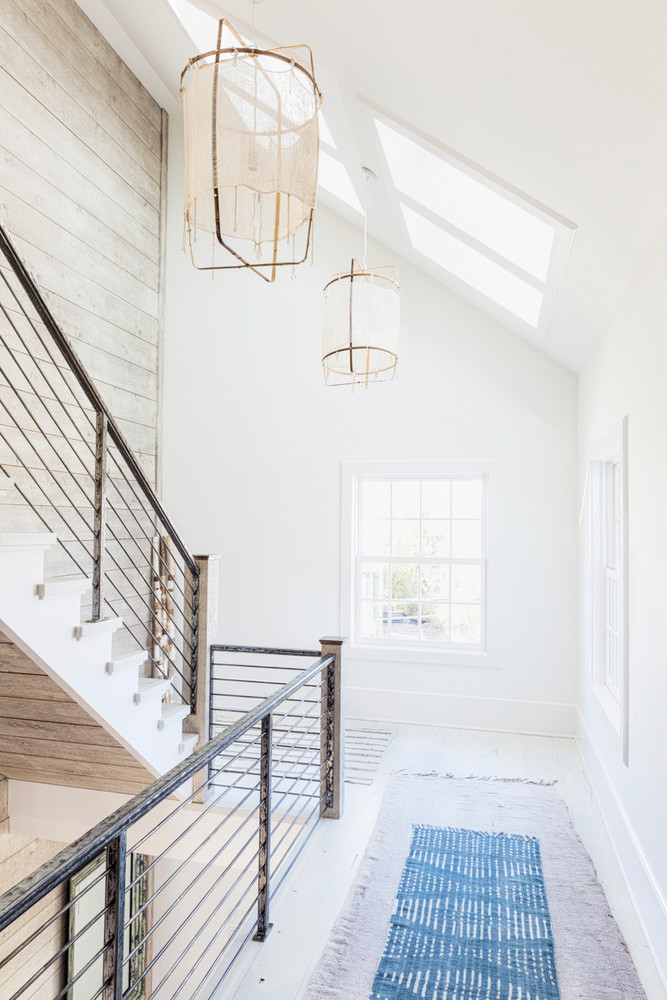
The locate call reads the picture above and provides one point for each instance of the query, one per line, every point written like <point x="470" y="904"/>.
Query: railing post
<point x="206" y="635"/>
<point x="100" y="521"/>
<point x="332" y="753"/>
<point x="114" y="918"/>
<point x="263" y="925"/>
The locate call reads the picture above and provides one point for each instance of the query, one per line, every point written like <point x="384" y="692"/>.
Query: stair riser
<point x="44" y="629"/>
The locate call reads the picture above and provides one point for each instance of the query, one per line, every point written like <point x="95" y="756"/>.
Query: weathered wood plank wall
<point x="80" y="184"/>
<point x="45" y="736"/>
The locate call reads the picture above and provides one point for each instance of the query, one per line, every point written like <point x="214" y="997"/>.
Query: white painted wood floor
<point x="305" y="910"/>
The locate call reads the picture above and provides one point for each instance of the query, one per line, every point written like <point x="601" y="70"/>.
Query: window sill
<point x="403" y="654"/>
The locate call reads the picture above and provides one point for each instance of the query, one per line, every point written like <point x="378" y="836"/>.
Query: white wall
<point x="626" y="376"/>
<point x="253" y="445"/>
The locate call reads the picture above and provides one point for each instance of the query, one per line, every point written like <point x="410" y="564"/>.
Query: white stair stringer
<point x="43" y="618"/>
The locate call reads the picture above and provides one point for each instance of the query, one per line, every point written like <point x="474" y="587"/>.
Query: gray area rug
<point x="364" y="750"/>
<point x="591" y="957"/>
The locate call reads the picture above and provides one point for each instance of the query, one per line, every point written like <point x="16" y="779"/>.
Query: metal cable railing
<point x="75" y="476"/>
<point x="160" y="898"/>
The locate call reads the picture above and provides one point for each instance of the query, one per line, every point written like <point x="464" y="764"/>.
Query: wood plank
<point x="108" y="59"/>
<point x="54" y="274"/>
<point x="36" y="956"/>
<point x="4" y="799"/>
<point x="56" y="749"/>
<point x="36" y="227"/>
<point x="83" y="72"/>
<point x="39" y="687"/>
<point x="32" y="151"/>
<point x="30" y="187"/>
<point x="104" y="783"/>
<point x="14" y="660"/>
<point x="19" y="60"/>
<point x="91" y="734"/>
<point x="74" y="150"/>
<point x="34" y="918"/>
<point x="10" y="844"/>
<point x="127" y="406"/>
<point x="42" y="711"/>
<point x="82" y="327"/>
<point x="26" y="860"/>
<point x="65" y="769"/>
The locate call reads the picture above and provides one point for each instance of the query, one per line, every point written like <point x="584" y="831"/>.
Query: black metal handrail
<point x="183" y="916"/>
<point x="80" y="477"/>
<point x="76" y="856"/>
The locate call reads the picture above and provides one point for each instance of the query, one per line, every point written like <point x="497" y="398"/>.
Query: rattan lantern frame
<point x="344" y="364"/>
<point x="261" y="58"/>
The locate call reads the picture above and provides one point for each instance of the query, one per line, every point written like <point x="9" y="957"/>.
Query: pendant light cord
<point x="367" y="178"/>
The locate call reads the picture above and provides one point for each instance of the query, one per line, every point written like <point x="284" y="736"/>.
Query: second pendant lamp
<point x="361" y="321"/>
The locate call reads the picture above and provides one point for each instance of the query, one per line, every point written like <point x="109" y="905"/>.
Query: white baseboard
<point x="539" y="718"/>
<point x="643" y="888"/>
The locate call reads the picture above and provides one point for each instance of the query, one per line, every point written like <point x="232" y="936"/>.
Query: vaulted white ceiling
<point x="565" y="102"/>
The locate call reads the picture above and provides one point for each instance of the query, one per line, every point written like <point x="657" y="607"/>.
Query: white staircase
<point x="43" y="618"/>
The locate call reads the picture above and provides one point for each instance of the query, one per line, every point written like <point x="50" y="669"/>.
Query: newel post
<point x="206" y="635"/>
<point x="332" y="753"/>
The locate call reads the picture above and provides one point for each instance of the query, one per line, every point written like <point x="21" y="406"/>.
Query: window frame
<point x="609" y="624"/>
<point x="409" y="650"/>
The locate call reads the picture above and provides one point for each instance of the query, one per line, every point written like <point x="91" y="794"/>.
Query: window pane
<point x="467" y="584"/>
<point x="405" y="620"/>
<point x="435" y="622"/>
<point x="405" y="538"/>
<point x="466" y="623"/>
<point x="435" y="538"/>
<point x="374" y="580"/>
<point x="405" y="498"/>
<point x="376" y="498"/>
<point x="467" y="498"/>
<point x="435" y="582"/>
<point x="374" y="620"/>
<point x="405" y="582"/>
<point x="435" y="499"/>
<point x="466" y="539"/>
<point x="375" y="536"/>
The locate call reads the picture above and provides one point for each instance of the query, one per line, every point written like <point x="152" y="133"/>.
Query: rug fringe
<point x="478" y="777"/>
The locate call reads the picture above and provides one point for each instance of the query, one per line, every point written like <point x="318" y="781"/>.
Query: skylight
<point x="334" y="178"/>
<point x="473" y="267"/>
<point x="473" y="227"/>
<point x="467" y="203"/>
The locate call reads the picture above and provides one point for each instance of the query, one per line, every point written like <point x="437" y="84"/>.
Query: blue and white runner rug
<point x="470" y="921"/>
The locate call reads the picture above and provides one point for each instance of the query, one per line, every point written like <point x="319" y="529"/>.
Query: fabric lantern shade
<point x="251" y="155"/>
<point x="360" y="326"/>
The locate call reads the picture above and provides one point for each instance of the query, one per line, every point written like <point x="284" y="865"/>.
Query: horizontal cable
<point x="56" y="916"/>
<point x="181" y="805"/>
<point x="73" y="857"/>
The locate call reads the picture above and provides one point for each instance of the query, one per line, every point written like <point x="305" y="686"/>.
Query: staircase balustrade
<point x="74" y="474"/>
<point x="164" y="895"/>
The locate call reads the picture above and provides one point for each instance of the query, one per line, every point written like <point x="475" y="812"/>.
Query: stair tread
<point x="126" y="662"/>
<point x="63" y="585"/>
<point x="95" y="628"/>
<point x="172" y="714"/>
<point x="151" y="687"/>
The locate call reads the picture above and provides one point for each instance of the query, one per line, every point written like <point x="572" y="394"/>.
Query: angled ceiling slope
<point x="561" y="107"/>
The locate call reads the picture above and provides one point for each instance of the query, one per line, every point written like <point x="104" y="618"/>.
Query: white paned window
<point x="609" y="577"/>
<point x="419" y="561"/>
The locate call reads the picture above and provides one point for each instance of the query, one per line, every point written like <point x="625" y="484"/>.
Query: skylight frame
<point x="563" y="229"/>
